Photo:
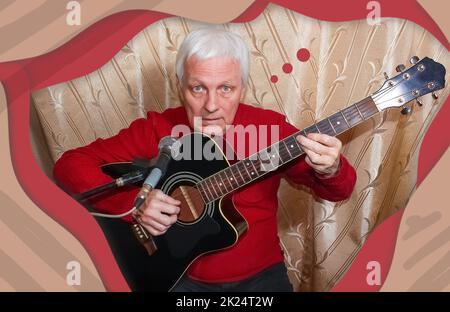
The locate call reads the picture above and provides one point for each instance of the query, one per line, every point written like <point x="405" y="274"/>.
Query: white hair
<point x="210" y="42"/>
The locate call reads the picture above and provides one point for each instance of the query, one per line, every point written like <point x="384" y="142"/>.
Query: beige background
<point x="422" y="254"/>
<point x="28" y="268"/>
<point x="50" y="29"/>
<point x="34" y="249"/>
<point x="19" y="40"/>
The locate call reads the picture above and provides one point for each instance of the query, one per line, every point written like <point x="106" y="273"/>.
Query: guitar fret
<point x="221" y="183"/>
<point x="298" y="146"/>
<point x="276" y="150"/>
<point x="293" y="146"/>
<point x="213" y="188"/>
<point x="261" y="163"/>
<point x="253" y="173"/>
<point x="283" y="152"/>
<point x="218" y="184"/>
<point x="265" y="161"/>
<point x="287" y="149"/>
<point x="210" y="194"/>
<point x="352" y="115"/>
<point x="367" y="109"/>
<point x="338" y="123"/>
<point x="318" y="130"/>
<point x="331" y="125"/>
<point x="224" y="181"/>
<point x="202" y="191"/>
<point x="240" y="174"/>
<point x="207" y="191"/>
<point x="356" y="105"/>
<point x="259" y="168"/>
<point x="211" y="181"/>
<point x="233" y="178"/>
<point x="345" y="118"/>
<point x="250" y="162"/>
<point x="325" y="127"/>
<point x="245" y="171"/>
<point x="232" y="187"/>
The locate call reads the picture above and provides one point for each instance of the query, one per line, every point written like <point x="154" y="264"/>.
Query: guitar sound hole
<point x="192" y="206"/>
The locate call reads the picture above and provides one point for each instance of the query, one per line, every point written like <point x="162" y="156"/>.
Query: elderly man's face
<point x="211" y="89"/>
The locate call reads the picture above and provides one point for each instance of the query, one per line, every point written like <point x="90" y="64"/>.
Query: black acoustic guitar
<point x="208" y="220"/>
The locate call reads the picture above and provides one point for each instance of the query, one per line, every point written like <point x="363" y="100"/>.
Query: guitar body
<point x="201" y="228"/>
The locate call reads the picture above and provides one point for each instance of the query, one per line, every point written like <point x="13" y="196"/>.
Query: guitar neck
<point x="257" y="165"/>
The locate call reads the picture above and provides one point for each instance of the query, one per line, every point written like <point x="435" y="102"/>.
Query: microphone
<point x="126" y="179"/>
<point x="159" y="169"/>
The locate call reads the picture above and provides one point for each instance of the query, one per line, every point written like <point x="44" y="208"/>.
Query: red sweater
<point x="78" y="170"/>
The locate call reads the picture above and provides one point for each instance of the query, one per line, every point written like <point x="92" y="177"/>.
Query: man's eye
<point x="226" y="89"/>
<point x="197" y="89"/>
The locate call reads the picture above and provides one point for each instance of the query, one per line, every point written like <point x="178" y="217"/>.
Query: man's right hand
<point x="158" y="212"/>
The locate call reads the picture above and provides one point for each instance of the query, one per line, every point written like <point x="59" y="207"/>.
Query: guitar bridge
<point x="144" y="238"/>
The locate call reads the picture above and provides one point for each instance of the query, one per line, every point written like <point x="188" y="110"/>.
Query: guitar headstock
<point x="423" y="77"/>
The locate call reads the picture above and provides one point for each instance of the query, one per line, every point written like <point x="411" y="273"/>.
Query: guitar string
<point x="422" y="88"/>
<point x="382" y="92"/>
<point x="402" y="80"/>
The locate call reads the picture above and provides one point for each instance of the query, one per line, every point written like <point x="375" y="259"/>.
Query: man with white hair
<point x="212" y="69"/>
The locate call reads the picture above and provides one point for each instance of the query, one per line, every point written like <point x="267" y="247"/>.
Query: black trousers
<point x="272" y="279"/>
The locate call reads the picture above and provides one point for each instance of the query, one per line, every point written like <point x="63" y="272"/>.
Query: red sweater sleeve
<point x="78" y="170"/>
<point x="336" y="188"/>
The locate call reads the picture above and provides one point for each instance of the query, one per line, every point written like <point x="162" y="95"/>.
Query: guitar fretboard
<point x="247" y="170"/>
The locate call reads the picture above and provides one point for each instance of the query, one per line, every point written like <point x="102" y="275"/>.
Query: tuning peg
<point x="400" y="68"/>
<point x="413" y="60"/>
<point x="406" y="110"/>
<point x="419" y="101"/>
<point x="386" y="76"/>
<point x="434" y="95"/>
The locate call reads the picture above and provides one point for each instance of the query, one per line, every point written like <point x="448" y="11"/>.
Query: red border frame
<point x="98" y="44"/>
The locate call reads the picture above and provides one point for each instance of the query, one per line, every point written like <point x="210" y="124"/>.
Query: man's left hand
<point x="322" y="152"/>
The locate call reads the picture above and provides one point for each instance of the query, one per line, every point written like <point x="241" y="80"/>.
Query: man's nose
<point x="211" y="102"/>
